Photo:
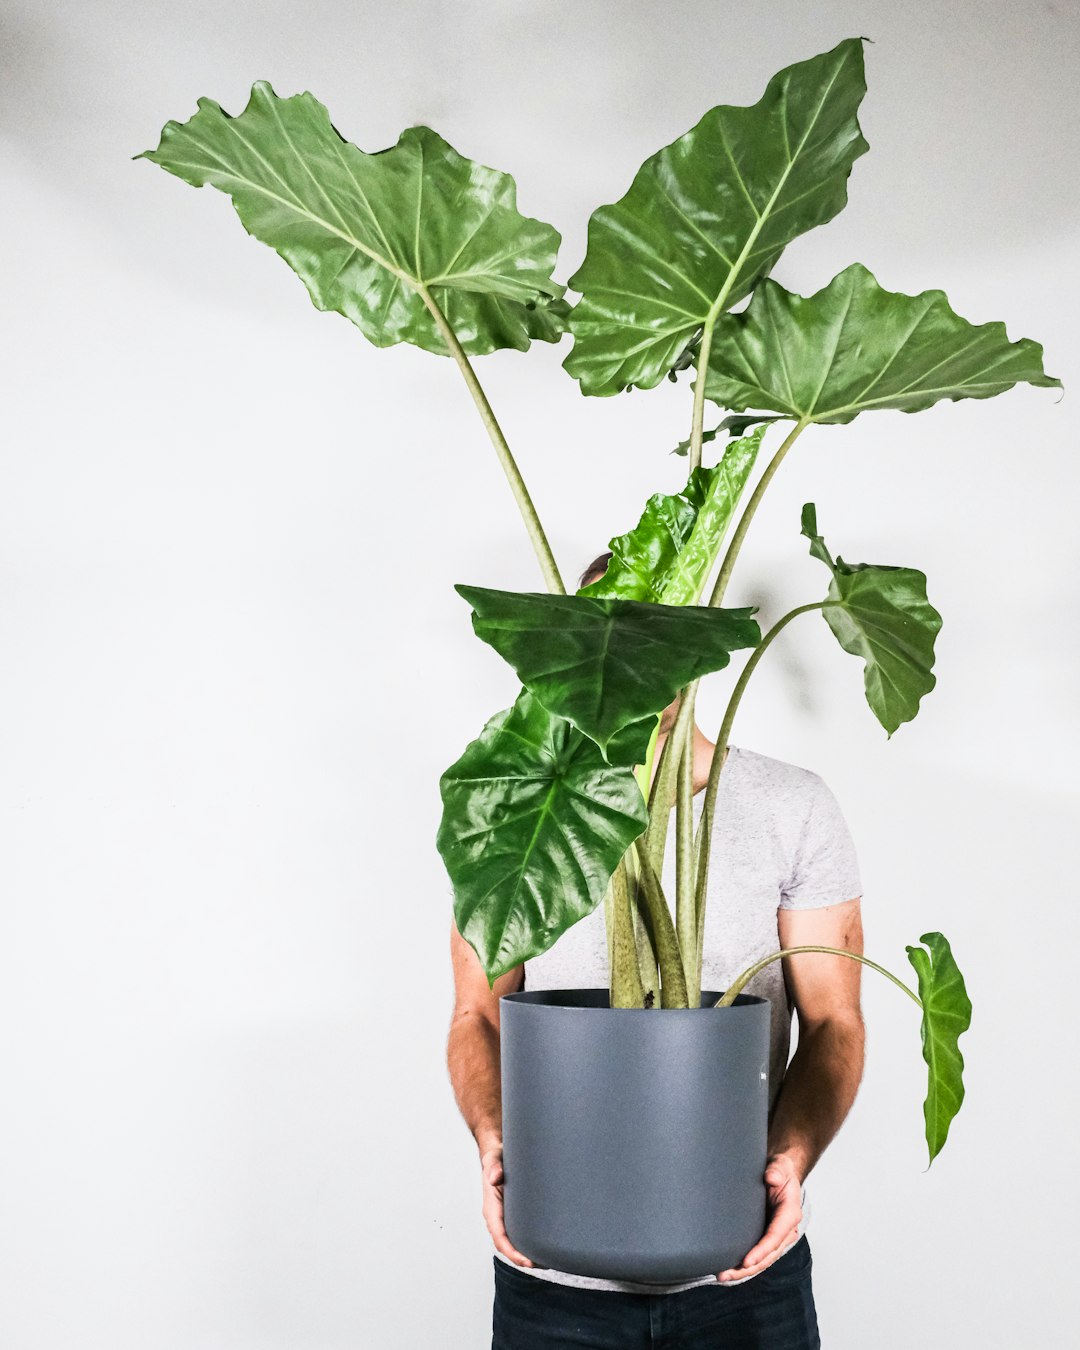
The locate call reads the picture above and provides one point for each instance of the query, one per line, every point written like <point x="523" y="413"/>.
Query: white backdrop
<point x="234" y="666"/>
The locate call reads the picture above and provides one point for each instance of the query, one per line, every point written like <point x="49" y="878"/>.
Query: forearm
<point x="817" y="1091"/>
<point x="472" y="1057"/>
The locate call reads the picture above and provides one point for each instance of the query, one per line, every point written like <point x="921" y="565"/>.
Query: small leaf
<point x="606" y="664"/>
<point x="686" y="358"/>
<point x="534" y="824"/>
<point x="881" y="614"/>
<point x="946" y="1016"/>
<point x="708" y="215"/>
<point x="855" y="346"/>
<point x="368" y="233"/>
<point x="683" y="448"/>
<point x="668" y="555"/>
<point x="735" y="425"/>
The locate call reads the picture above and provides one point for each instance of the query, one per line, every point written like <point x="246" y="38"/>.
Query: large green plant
<point x="558" y="805"/>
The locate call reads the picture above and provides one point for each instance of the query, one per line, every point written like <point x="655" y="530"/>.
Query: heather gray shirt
<point x="779" y="842"/>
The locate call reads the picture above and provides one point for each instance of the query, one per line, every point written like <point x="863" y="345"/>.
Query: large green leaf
<point x="946" y="1016"/>
<point x="668" y="555"/>
<point x="854" y="346"/>
<point x="708" y="215"/>
<point x="881" y="614"/>
<point x="607" y="665"/>
<point x="534" y="824"/>
<point x="367" y="233"/>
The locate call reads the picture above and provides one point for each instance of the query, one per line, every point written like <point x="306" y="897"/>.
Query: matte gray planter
<point x="633" y="1142"/>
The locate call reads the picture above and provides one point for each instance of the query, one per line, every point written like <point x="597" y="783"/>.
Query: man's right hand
<point x="491" y="1165"/>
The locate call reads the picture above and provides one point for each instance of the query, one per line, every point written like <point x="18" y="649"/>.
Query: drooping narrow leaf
<point x="946" y="1016"/>
<point x="881" y="614"/>
<point x="668" y="555"/>
<point x="854" y="346"/>
<point x="534" y="824"/>
<point x="607" y="665"/>
<point x="366" y="233"/>
<point x="708" y="215"/>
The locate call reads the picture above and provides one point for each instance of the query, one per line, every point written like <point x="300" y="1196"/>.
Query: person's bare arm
<point x="472" y="1057"/>
<point x="824" y="1074"/>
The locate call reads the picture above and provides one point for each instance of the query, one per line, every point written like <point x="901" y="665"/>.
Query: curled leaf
<point x="946" y="1016"/>
<point x="881" y="614"/>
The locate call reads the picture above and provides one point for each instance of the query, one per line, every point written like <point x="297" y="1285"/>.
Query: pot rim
<point x="547" y="998"/>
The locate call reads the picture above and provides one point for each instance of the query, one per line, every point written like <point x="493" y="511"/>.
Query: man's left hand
<point x="783" y="1190"/>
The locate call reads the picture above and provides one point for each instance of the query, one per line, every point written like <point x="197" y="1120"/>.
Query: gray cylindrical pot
<point x="634" y="1141"/>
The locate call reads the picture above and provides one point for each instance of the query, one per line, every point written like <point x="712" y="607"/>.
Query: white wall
<point x="233" y="664"/>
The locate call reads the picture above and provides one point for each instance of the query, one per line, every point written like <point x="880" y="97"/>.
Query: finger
<point x="493" y="1217"/>
<point x="765" y="1249"/>
<point x="786" y="1216"/>
<point x="504" y="1245"/>
<point x="749" y="1268"/>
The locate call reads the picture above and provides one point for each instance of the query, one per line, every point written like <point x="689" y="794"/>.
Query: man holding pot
<point x="784" y="874"/>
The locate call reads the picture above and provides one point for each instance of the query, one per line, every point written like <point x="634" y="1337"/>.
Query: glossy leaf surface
<point x="534" y="824"/>
<point x="708" y="215"/>
<point x="854" y="346"/>
<point x="366" y="232"/>
<point x="668" y="555"/>
<point x="946" y="1016"/>
<point x="881" y="614"/>
<point x="606" y="665"/>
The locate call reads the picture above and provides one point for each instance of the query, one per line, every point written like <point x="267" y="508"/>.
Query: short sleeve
<point x="825" y="868"/>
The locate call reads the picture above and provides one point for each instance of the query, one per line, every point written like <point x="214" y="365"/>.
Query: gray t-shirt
<point x="779" y="842"/>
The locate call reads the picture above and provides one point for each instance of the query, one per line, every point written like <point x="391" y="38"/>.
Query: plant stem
<point x="715" y="310"/>
<point x="698" y="422"/>
<point x="739" y="984"/>
<point x="643" y="772"/>
<point x="704" y="838"/>
<point x="626" y="987"/>
<point x="662" y="793"/>
<point x="704" y="858"/>
<point x="648" y="967"/>
<point x="685" y="890"/>
<point x="544" y="556"/>
<point x="716" y="767"/>
<point x="743" y="680"/>
<point x="669" y="958"/>
<point x="727" y="566"/>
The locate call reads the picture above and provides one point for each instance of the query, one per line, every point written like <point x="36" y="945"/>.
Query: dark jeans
<point x="773" y="1311"/>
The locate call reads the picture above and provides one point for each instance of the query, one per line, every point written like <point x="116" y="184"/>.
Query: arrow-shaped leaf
<point x="946" y="1016"/>
<point x="881" y="614"/>
<point x="368" y="234"/>
<point x="854" y="346"/>
<point x="668" y="555"/>
<point x="534" y="824"/>
<point x="606" y="665"/>
<point x="708" y="215"/>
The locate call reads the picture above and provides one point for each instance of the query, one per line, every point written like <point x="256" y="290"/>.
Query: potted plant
<point x="558" y="806"/>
